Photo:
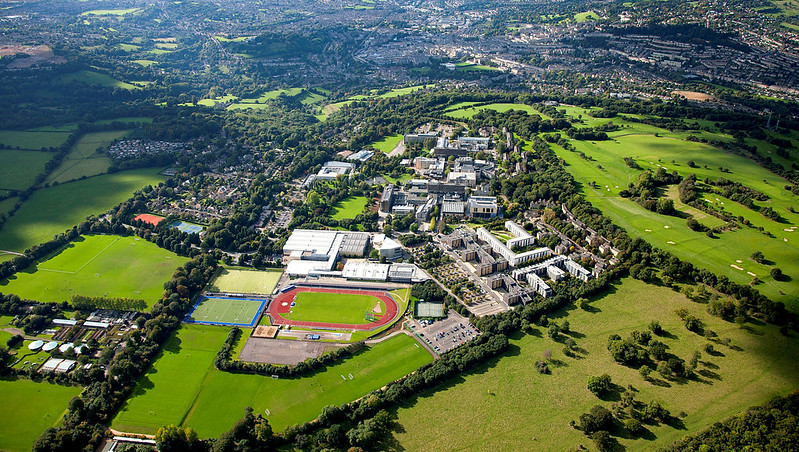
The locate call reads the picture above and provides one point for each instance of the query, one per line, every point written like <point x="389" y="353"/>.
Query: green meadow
<point x="31" y="408"/>
<point x="722" y="255"/>
<point x="20" y="168"/>
<point x="350" y="207"/>
<point x="527" y="410"/>
<point x="387" y="144"/>
<point x="33" y="139"/>
<point x="87" y="157"/>
<point x="184" y="388"/>
<point x="467" y="111"/>
<point x="53" y="210"/>
<point x="107" y="266"/>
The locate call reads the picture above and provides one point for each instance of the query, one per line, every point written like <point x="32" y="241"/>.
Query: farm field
<point x="671" y="233"/>
<point x="184" y="388"/>
<point x="98" y="265"/>
<point x="33" y="139"/>
<point x="760" y="367"/>
<point x="349" y="208"/>
<point x="19" y="169"/>
<point x="139" y="119"/>
<point x="239" y="280"/>
<point x="387" y="144"/>
<point x="468" y="111"/>
<point x="52" y="210"/>
<point x="36" y="407"/>
<point x="333" y="308"/>
<point x="96" y="78"/>
<point x="87" y="157"/>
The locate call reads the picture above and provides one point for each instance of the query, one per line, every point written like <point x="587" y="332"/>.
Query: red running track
<point x="276" y="308"/>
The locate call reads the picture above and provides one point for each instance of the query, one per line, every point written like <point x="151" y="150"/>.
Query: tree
<point x="600" y="385"/>
<point x="776" y="273"/>
<point x="633" y="426"/>
<point x="174" y="438"/>
<point x="758" y="257"/>
<point x="602" y="440"/>
<point x="554" y="331"/>
<point x="645" y="371"/>
<point x="655" y="328"/>
<point x="598" y="418"/>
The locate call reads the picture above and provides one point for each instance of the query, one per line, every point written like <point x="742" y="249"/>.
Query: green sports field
<point x="349" y="208"/>
<point x="333" y="307"/>
<point x="226" y="310"/>
<point x="762" y="365"/>
<point x="98" y="265"/>
<point x="239" y="280"/>
<point x="53" y="210"/>
<point x="18" y="169"/>
<point x="87" y="157"/>
<point x="184" y="388"/>
<point x="30" y="409"/>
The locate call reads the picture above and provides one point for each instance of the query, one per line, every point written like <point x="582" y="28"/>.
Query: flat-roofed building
<point x="482" y="207"/>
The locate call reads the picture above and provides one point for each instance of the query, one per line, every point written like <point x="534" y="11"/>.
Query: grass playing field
<point x="183" y="387"/>
<point x="87" y="157"/>
<point x="230" y="311"/>
<point x="33" y="139"/>
<point x="333" y="308"/>
<point x="98" y="265"/>
<point x="238" y="280"/>
<point x="349" y="208"/>
<point x="543" y="405"/>
<point x="387" y="144"/>
<point x="19" y="169"/>
<point x="672" y="151"/>
<point x="30" y="409"/>
<point x="53" y="210"/>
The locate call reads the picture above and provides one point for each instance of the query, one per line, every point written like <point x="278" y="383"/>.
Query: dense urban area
<point x="381" y="225"/>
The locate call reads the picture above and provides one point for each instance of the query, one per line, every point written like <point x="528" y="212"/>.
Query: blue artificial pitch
<point x="226" y="311"/>
<point x="190" y="228"/>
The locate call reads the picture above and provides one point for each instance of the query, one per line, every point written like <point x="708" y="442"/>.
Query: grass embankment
<point x="761" y="365"/>
<point x="184" y="388"/>
<point x="101" y="266"/>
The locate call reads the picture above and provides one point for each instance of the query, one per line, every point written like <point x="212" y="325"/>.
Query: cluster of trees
<point x="224" y="362"/>
<point x="84" y="302"/>
<point x="772" y="426"/>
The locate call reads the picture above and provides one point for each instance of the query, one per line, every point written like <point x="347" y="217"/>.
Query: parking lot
<point x="445" y="334"/>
